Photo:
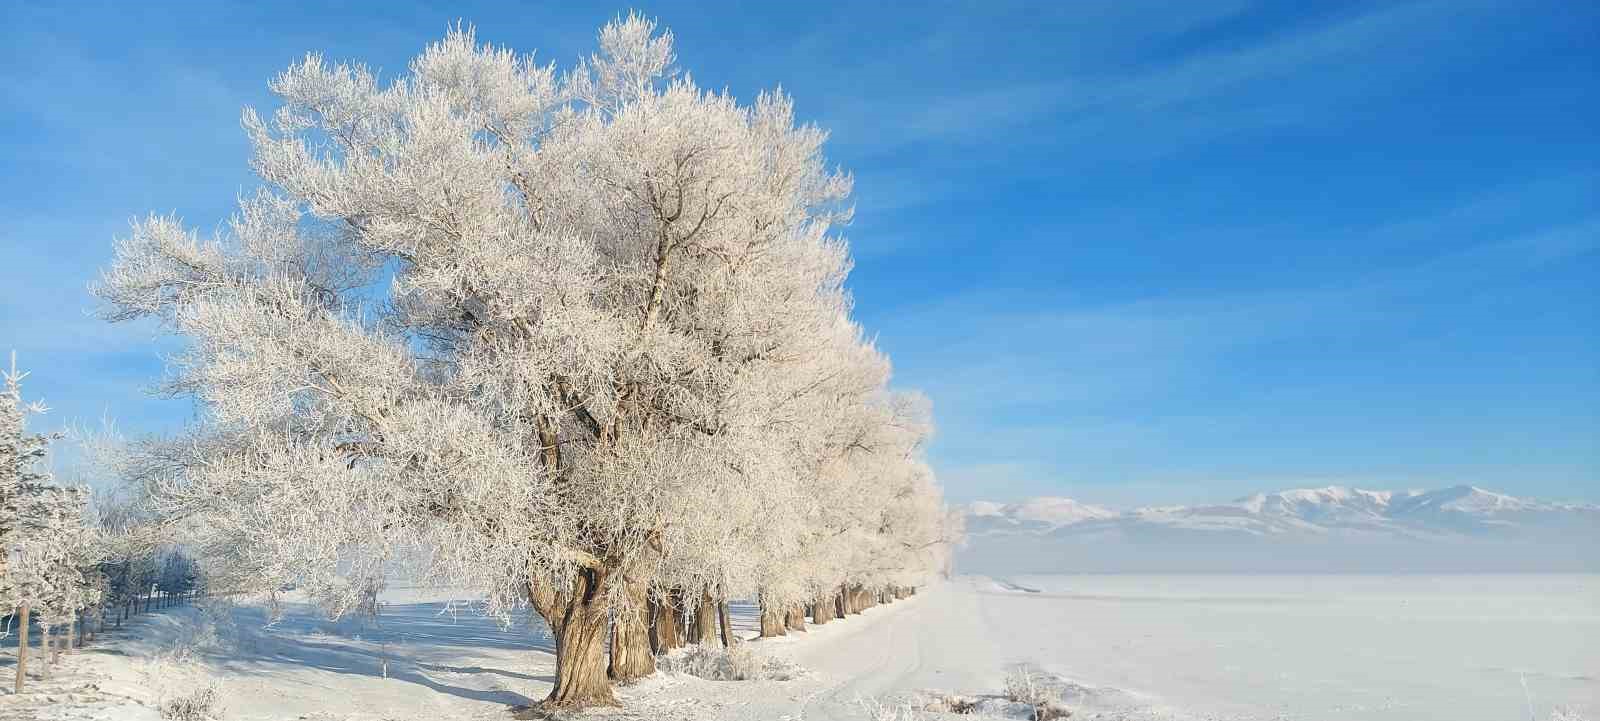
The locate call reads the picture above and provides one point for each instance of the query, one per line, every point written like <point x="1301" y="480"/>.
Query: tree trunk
<point x="578" y="619"/>
<point x="581" y="678"/>
<point x="48" y="646"/>
<point x="22" y="647"/>
<point x="840" y="603"/>
<point x="666" y="631"/>
<point x="796" y="619"/>
<point x="722" y="620"/>
<point x="822" y="610"/>
<point x="72" y="632"/>
<point x="703" y="629"/>
<point x="772" y="619"/>
<point x="631" y="658"/>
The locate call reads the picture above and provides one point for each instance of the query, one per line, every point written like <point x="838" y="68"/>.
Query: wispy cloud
<point x="1085" y="115"/>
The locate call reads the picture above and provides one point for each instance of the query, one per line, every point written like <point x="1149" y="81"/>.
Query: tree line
<point x="579" y="339"/>
<point x="69" y="562"/>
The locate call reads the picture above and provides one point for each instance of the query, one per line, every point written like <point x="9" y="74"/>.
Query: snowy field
<point x="1133" y="648"/>
<point x="1328" y="647"/>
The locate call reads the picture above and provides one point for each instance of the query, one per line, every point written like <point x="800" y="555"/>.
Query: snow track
<point x="936" y="640"/>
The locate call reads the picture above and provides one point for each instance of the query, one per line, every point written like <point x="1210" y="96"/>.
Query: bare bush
<point x="949" y="703"/>
<point x="716" y="664"/>
<point x="203" y="704"/>
<point x="876" y="710"/>
<point x="1026" y="685"/>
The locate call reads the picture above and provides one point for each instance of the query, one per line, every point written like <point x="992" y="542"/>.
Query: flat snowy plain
<point x="1138" y="648"/>
<point x="1317" y="647"/>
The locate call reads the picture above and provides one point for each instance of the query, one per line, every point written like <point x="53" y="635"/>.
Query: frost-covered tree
<point x="60" y="558"/>
<point x="23" y="479"/>
<point x="49" y="549"/>
<point x="23" y="485"/>
<point x="125" y="544"/>
<point x="577" y="339"/>
<point x="519" y="318"/>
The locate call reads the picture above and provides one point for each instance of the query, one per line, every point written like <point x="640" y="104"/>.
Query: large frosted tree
<point x="545" y="325"/>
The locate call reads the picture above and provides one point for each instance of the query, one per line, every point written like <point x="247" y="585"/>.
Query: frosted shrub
<point x="716" y="664"/>
<point x="876" y="710"/>
<point x="948" y="703"/>
<point x="1024" y="685"/>
<point x="204" y="704"/>
<point x="1028" y="686"/>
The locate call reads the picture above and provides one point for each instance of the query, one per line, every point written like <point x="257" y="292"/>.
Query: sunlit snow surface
<point x="1356" y="647"/>
<point x="1117" y="647"/>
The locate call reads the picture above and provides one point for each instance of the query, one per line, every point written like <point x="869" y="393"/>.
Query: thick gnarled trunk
<point x="822" y="610"/>
<point x="795" y="619"/>
<point x="581" y="678"/>
<point x="666" y="625"/>
<point x="703" y="629"/>
<point x="773" y="619"/>
<point x="631" y="658"/>
<point x="578" y="620"/>
<point x="857" y="599"/>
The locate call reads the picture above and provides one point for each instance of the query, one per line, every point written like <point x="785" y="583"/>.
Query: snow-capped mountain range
<point x="1335" y="524"/>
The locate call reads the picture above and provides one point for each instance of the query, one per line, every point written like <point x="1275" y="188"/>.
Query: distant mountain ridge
<point x="1454" y="510"/>
<point x="1337" y="526"/>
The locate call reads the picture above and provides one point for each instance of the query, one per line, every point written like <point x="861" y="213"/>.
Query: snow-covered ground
<point x="1174" y="648"/>
<point x="1333" y="647"/>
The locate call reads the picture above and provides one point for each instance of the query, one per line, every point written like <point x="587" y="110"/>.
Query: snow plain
<point x="1316" y="647"/>
<point x="1132" y="648"/>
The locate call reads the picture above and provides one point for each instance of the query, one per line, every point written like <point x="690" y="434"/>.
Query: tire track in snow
<point x="938" y="640"/>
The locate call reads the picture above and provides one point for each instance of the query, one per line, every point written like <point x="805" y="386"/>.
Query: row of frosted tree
<point x="579" y="339"/>
<point x="69" y="566"/>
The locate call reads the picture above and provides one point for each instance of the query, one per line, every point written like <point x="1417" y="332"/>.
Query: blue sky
<point x="1136" y="252"/>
